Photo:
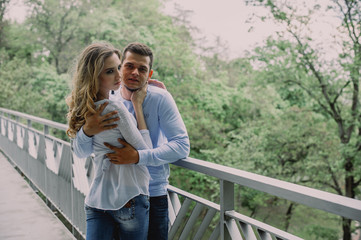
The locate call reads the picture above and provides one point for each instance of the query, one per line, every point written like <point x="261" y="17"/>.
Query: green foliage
<point x="34" y="90"/>
<point x="266" y="114"/>
<point x="317" y="232"/>
<point x="253" y="200"/>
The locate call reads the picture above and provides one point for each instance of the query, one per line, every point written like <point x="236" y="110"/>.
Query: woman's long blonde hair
<point x="85" y="82"/>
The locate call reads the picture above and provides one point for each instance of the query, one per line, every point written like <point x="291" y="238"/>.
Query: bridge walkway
<point x="23" y="214"/>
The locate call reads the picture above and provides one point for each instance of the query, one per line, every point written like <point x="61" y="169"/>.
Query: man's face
<point x="135" y="71"/>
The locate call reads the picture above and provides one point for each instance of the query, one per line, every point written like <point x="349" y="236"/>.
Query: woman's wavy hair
<point x="85" y="82"/>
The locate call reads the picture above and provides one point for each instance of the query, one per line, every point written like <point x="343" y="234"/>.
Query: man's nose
<point x="135" y="71"/>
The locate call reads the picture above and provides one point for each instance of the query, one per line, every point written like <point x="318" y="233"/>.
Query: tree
<point x="55" y="25"/>
<point x="332" y="86"/>
<point x="3" y="7"/>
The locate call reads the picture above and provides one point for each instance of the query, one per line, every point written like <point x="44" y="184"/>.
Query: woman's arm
<point x="137" y="99"/>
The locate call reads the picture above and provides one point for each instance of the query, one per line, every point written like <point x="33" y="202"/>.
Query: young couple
<point x="134" y="136"/>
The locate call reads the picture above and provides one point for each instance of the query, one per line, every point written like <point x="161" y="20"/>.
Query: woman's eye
<point x="109" y="71"/>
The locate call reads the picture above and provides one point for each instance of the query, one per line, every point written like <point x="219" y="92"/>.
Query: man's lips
<point x="132" y="80"/>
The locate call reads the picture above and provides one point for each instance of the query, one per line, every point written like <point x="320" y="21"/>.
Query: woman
<point x="118" y="199"/>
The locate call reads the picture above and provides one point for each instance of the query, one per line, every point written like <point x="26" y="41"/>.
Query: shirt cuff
<point x="144" y="131"/>
<point x="143" y="157"/>
<point x="83" y="137"/>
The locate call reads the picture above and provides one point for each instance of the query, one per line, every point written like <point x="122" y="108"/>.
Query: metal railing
<point x="64" y="179"/>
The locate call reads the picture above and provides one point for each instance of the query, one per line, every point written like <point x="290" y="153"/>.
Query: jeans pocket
<point x="127" y="212"/>
<point x="145" y="201"/>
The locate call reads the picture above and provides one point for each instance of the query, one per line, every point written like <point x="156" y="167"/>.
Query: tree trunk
<point x="346" y="227"/>
<point x="349" y="187"/>
<point x="288" y="216"/>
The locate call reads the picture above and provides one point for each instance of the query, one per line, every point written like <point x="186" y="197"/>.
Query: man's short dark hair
<point x="138" y="48"/>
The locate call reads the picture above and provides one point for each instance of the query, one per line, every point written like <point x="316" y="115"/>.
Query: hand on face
<point x="95" y="123"/>
<point x="138" y="96"/>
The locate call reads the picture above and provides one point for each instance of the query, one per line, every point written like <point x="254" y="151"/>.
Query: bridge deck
<point x="23" y="215"/>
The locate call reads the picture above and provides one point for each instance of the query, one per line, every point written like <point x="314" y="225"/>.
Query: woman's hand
<point x="138" y="96"/>
<point x="137" y="99"/>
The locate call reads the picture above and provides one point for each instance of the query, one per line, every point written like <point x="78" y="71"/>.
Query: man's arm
<point x="176" y="148"/>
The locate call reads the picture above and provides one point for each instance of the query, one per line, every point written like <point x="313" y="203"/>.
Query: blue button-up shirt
<point x="167" y="132"/>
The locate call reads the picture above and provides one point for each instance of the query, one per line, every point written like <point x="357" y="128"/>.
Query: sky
<point x="239" y="25"/>
<point x="228" y="19"/>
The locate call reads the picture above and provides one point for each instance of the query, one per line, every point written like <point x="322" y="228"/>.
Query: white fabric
<point x="114" y="185"/>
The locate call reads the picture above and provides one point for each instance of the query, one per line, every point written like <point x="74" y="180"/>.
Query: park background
<point x="283" y="102"/>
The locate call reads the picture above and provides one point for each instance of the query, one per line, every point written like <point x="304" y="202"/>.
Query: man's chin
<point x="130" y="89"/>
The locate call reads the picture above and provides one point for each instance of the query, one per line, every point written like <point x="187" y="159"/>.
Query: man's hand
<point x="95" y="123"/>
<point x="125" y="155"/>
<point x="157" y="83"/>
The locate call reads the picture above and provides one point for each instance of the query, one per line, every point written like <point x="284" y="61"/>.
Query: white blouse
<point x="114" y="185"/>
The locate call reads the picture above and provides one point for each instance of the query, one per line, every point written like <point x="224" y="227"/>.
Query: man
<point x="167" y="131"/>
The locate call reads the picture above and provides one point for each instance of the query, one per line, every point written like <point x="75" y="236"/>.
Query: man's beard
<point x="133" y="90"/>
<point x="129" y="89"/>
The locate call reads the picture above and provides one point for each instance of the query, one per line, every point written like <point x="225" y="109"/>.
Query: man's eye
<point x="143" y="70"/>
<point x="128" y="66"/>
<point x="119" y="67"/>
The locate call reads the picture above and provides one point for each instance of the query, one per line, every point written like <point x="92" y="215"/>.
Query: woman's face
<point x="109" y="78"/>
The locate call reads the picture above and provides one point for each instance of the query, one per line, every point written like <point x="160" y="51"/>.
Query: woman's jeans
<point x="129" y="222"/>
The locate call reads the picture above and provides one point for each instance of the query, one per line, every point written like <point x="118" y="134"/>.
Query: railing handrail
<point x="333" y="203"/>
<point x="43" y="121"/>
<point x="228" y="176"/>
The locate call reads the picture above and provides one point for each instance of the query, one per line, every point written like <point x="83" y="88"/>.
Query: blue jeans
<point x="129" y="222"/>
<point x="158" y="218"/>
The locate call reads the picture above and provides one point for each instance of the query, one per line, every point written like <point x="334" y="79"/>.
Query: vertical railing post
<point x="1" y="119"/>
<point x="72" y="190"/>
<point x="46" y="129"/>
<point x="6" y="125"/>
<point x="227" y="204"/>
<point x="46" y="132"/>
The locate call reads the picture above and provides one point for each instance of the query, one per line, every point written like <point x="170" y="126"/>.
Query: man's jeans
<point x="158" y="218"/>
<point x="129" y="222"/>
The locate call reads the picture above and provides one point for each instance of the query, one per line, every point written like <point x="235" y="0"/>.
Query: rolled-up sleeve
<point x="172" y="126"/>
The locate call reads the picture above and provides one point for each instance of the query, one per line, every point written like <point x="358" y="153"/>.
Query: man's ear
<point x="150" y="74"/>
